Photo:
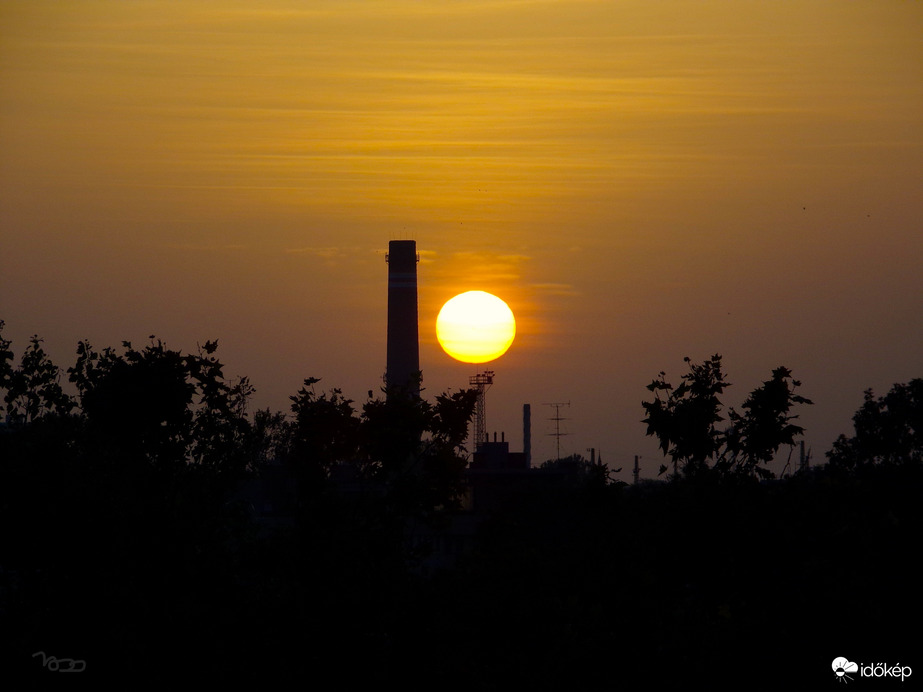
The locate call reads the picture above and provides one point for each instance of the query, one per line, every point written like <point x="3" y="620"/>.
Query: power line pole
<point x="805" y="460"/>
<point x="557" y="434"/>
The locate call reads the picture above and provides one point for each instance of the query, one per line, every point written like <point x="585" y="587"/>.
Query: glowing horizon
<point x="642" y="181"/>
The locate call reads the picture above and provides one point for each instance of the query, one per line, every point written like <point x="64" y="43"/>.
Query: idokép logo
<point x="845" y="670"/>
<point x="842" y="668"/>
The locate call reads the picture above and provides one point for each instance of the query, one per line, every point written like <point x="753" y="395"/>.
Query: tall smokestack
<point x="403" y="369"/>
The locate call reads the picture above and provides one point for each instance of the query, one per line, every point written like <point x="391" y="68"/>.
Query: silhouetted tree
<point x="582" y="469"/>
<point x="221" y="429"/>
<point x="888" y="430"/>
<point x="40" y="452"/>
<point x="117" y="546"/>
<point x="271" y="437"/>
<point x="169" y="409"/>
<point x="416" y="448"/>
<point x="685" y="420"/>
<point x="755" y="436"/>
<point x="116" y="505"/>
<point x="34" y="388"/>
<point x="398" y="462"/>
<point x="324" y="433"/>
<point x="410" y="450"/>
<point x="443" y="456"/>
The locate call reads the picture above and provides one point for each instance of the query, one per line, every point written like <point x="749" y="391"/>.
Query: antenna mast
<point x="557" y="434"/>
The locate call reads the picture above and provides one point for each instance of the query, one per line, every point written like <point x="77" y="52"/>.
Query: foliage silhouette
<point x="416" y="449"/>
<point x="584" y="471"/>
<point x="324" y="433"/>
<point x="888" y="430"/>
<point x="405" y="452"/>
<point x="685" y="420"/>
<point x="162" y="406"/>
<point x="122" y="496"/>
<point x="127" y="549"/>
<point x="34" y="388"/>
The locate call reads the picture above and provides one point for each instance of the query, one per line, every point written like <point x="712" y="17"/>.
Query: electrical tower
<point x="557" y="434"/>
<point x="481" y="382"/>
<point x="805" y="460"/>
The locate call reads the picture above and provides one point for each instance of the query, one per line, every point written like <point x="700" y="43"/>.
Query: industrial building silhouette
<point x="403" y="372"/>
<point x="496" y="478"/>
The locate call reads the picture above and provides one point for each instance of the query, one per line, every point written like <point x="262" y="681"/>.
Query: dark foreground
<point x="590" y="586"/>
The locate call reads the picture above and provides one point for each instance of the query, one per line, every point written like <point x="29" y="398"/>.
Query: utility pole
<point x="805" y="460"/>
<point x="557" y="406"/>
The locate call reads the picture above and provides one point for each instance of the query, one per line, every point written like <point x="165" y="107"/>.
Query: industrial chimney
<point x="403" y="368"/>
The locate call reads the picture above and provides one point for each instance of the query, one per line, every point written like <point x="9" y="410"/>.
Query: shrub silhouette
<point x="685" y="421"/>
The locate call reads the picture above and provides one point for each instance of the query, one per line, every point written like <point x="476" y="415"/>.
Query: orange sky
<point x="640" y="181"/>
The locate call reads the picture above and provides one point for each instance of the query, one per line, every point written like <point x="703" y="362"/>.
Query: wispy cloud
<point x="331" y="254"/>
<point x="205" y="247"/>
<point x="481" y="267"/>
<point x="556" y="289"/>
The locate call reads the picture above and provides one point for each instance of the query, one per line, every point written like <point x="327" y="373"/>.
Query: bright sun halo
<point x="475" y="327"/>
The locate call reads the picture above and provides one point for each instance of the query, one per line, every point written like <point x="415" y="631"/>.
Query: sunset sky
<point x="639" y="180"/>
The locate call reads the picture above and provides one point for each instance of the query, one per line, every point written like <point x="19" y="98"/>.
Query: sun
<point x="475" y="327"/>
